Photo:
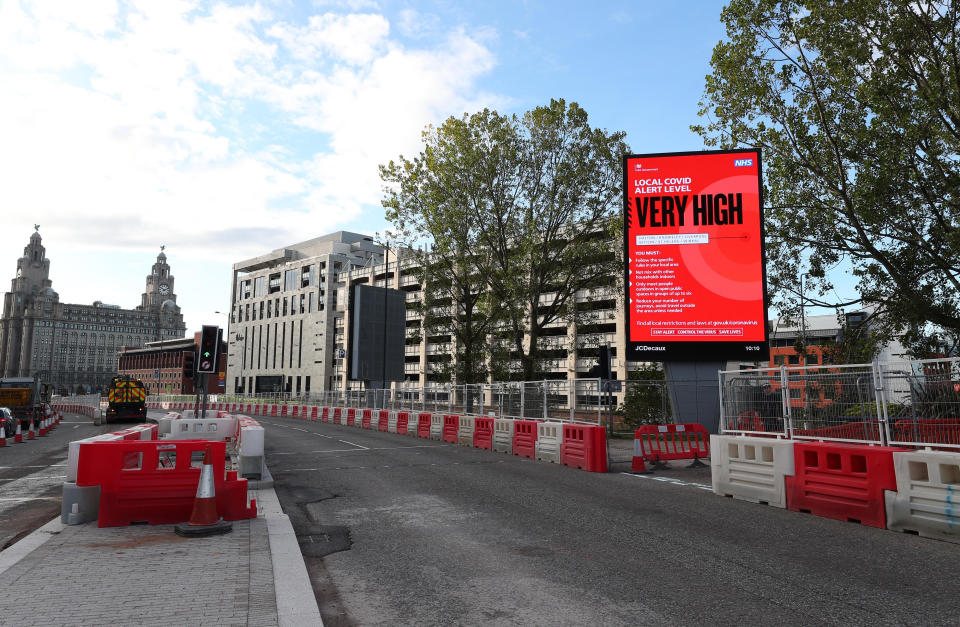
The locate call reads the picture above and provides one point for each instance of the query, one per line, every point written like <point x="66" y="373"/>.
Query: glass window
<point x="310" y="303"/>
<point x="259" y="286"/>
<point x="268" y="308"/>
<point x="284" y="307"/>
<point x="274" y="284"/>
<point x="293" y="304"/>
<point x="290" y="280"/>
<point x="261" y="310"/>
<point x="245" y="288"/>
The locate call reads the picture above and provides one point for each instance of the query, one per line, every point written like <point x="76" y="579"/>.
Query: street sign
<point x="612" y="386"/>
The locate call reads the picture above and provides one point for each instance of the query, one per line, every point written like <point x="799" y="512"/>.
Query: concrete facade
<point x="289" y="332"/>
<point x="72" y="346"/>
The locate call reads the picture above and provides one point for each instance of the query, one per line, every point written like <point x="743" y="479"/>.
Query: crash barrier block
<point x="392" y="422"/>
<point x="325" y="415"/>
<point x="503" y="435"/>
<point x="351" y="416"/>
<point x="465" y="429"/>
<point x="250" y="443"/>
<point x="383" y="420"/>
<point x="155" y="481"/>
<point x="584" y="447"/>
<point x="403" y="422"/>
<point x="295" y="411"/>
<point x="315" y="413"/>
<point x="367" y="418"/>
<point x="200" y="429"/>
<point x="425" y="425"/>
<point x="549" y="438"/>
<point x="283" y="410"/>
<point x="139" y="432"/>
<point x="337" y="415"/>
<point x="927" y="496"/>
<point x="79" y="504"/>
<point x="658" y="443"/>
<point x="751" y="469"/>
<point x="525" y="438"/>
<point x="436" y="427"/>
<point x="451" y="424"/>
<point x="929" y="431"/>
<point x="842" y="481"/>
<point x="483" y="432"/>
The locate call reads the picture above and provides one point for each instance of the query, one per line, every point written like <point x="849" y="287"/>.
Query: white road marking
<point x="670" y="480"/>
<point x="27" y="488"/>
<point x="359" y="446"/>
<point x="378" y="448"/>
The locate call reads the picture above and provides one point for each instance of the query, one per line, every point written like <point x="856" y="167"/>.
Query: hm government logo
<point x="638" y="167"/>
<point x="742" y="163"/>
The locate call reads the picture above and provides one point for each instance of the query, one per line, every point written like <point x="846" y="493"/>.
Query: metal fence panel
<point x="922" y="403"/>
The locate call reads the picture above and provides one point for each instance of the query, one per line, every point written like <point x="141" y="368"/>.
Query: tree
<point x="528" y="207"/>
<point x="856" y="106"/>
<point x="645" y="401"/>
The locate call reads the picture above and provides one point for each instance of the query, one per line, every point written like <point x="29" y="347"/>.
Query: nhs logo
<point x="742" y="163"/>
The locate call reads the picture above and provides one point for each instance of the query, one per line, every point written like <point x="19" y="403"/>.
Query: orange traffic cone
<point x="18" y="436"/>
<point x="204" y="520"/>
<point x="30" y="434"/>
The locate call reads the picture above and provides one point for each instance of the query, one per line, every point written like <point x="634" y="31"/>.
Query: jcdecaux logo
<point x="742" y="163"/>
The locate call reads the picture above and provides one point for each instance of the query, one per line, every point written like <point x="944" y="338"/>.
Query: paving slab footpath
<point x="148" y="575"/>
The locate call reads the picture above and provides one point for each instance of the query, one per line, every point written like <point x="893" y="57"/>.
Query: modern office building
<point x="73" y="346"/>
<point x="290" y="312"/>
<point x="167" y="366"/>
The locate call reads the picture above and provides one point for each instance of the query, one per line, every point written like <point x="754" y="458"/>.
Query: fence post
<point x="881" y="396"/>
<point x="723" y="423"/>
<point x="545" y="384"/>
<point x="785" y="402"/>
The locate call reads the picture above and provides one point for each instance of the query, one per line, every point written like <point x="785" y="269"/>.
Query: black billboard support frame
<point x="694" y="391"/>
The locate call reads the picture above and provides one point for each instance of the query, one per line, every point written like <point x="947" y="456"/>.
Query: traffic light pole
<point x="203" y="403"/>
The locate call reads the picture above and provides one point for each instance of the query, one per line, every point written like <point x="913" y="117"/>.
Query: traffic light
<point x="207" y="360"/>
<point x="189" y="364"/>
<point x="602" y="368"/>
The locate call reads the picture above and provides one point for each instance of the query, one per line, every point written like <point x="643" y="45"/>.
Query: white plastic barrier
<point x="203" y="429"/>
<point x="413" y="423"/>
<point x="250" y="440"/>
<point x="392" y="422"/>
<point x="436" y="426"/>
<point x="549" y="439"/>
<point x="503" y="435"/>
<point x="465" y="430"/>
<point x="751" y="469"/>
<point x="928" y="494"/>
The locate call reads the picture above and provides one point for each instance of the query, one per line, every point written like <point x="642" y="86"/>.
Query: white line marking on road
<point x="299" y="429"/>
<point x="76" y="426"/>
<point x="359" y="446"/>
<point x="378" y="448"/>
<point x="31" y="498"/>
<point x="670" y="480"/>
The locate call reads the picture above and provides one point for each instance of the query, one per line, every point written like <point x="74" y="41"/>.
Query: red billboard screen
<point x="693" y="238"/>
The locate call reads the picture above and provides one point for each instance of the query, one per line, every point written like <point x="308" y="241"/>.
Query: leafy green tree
<point x="856" y="106"/>
<point x="644" y="399"/>
<point x="525" y="205"/>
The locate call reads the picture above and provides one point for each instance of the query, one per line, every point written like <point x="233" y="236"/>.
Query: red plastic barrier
<point x="451" y="424"/>
<point x="383" y="420"/>
<point x="657" y="443"/>
<point x="315" y="413"/>
<point x="483" y="433"/>
<point x="296" y="411"/>
<point x="325" y="414"/>
<point x="155" y="481"/>
<point x="283" y="411"/>
<point x="367" y="418"/>
<point x="423" y="425"/>
<point x="351" y="416"/>
<point x="403" y="419"/>
<point x="338" y="415"/>
<point x="584" y="447"/>
<point x="842" y="481"/>
<point x="525" y="438"/>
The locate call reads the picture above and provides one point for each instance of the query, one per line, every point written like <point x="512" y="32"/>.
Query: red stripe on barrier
<point x="842" y="481"/>
<point x="352" y="417"/>
<point x="403" y="419"/>
<point x="383" y="421"/>
<point x="525" y="438"/>
<point x="584" y="447"/>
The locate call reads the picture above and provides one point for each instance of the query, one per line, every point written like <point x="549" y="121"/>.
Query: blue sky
<point x="224" y="130"/>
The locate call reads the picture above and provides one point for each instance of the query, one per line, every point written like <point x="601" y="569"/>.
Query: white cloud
<point x="220" y="130"/>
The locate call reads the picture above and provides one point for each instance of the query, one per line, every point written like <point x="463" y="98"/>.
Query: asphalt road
<point x="32" y="475"/>
<point x="400" y="530"/>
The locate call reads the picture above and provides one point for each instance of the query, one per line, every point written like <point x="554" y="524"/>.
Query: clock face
<point x="164" y="289"/>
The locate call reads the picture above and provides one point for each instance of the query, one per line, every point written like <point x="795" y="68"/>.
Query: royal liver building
<point x="74" y="347"/>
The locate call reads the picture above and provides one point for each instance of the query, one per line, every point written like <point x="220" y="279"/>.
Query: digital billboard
<point x="693" y="242"/>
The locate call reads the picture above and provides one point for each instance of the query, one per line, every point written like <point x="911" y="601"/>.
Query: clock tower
<point x="159" y="285"/>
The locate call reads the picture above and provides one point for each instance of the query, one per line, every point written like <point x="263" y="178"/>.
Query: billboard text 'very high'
<point x="693" y="239"/>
